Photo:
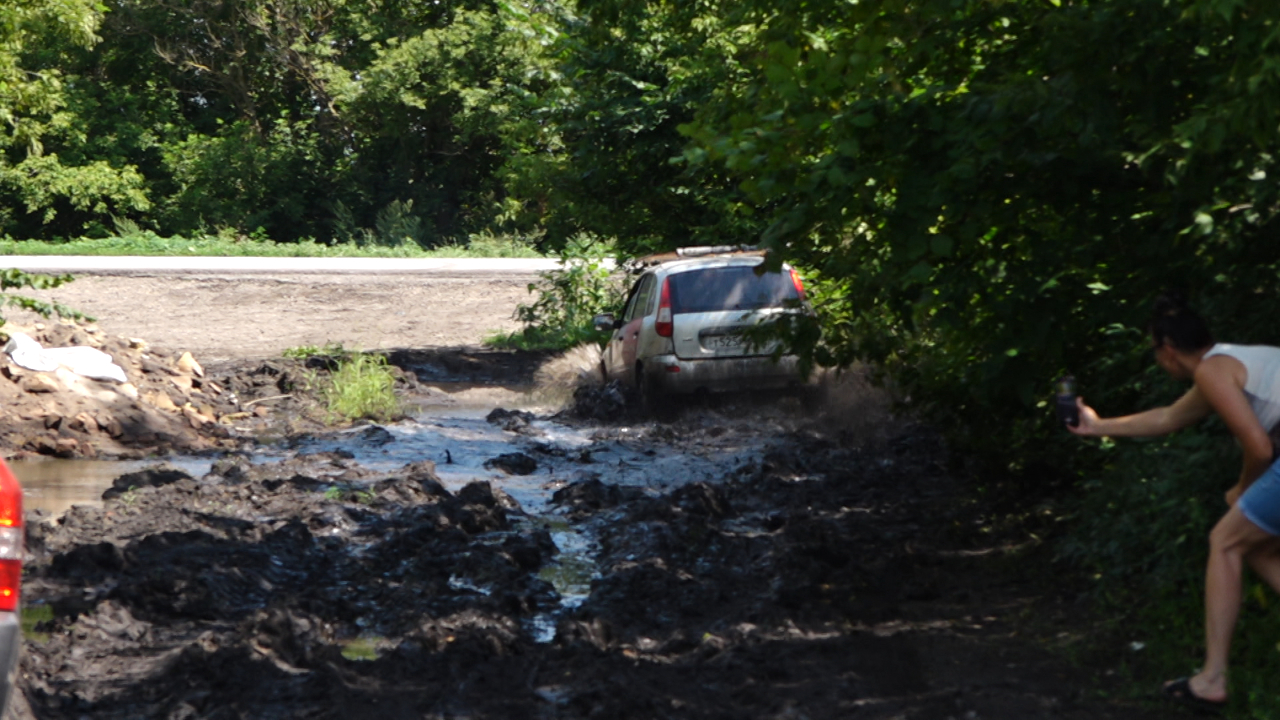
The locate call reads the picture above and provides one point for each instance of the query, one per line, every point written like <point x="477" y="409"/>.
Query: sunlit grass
<point x="33" y="615"/>
<point x="303" y="352"/>
<point x="361" y="648"/>
<point x="362" y="386"/>
<point x="541" y="338"/>
<point x="150" y="244"/>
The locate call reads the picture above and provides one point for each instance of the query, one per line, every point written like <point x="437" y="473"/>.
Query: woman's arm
<point x="1186" y="410"/>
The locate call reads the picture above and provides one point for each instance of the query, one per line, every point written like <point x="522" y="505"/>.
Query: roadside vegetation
<point x="982" y="197"/>
<point x="567" y="300"/>
<point x="229" y="244"/>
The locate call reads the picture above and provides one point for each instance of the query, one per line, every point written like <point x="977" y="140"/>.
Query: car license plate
<point x="722" y="342"/>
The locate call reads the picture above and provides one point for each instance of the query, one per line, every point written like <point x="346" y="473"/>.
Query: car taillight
<point x="10" y="539"/>
<point x="663" y="325"/>
<point x="795" y="280"/>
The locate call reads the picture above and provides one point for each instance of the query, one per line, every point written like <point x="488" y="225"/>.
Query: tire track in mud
<point x="821" y="578"/>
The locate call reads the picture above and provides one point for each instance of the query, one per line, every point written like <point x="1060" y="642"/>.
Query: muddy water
<point x="456" y="436"/>
<point x="56" y="485"/>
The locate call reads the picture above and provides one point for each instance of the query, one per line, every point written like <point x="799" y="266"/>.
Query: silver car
<point x="682" y="330"/>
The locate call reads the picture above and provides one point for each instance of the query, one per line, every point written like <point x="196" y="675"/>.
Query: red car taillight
<point x="663" y="325"/>
<point x="10" y="539"/>
<point x="795" y="279"/>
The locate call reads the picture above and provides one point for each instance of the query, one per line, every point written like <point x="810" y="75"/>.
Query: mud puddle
<point x="507" y="564"/>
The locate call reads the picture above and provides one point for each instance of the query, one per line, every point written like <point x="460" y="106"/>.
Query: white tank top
<point x="1262" y="381"/>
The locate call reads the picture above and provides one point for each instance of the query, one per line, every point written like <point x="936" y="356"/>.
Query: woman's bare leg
<point x="1232" y="539"/>
<point x="1265" y="560"/>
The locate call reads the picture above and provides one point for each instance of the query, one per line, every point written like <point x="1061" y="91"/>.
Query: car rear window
<point x="729" y="288"/>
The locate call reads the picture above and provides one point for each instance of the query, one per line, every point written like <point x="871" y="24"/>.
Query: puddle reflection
<point x="55" y="485"/>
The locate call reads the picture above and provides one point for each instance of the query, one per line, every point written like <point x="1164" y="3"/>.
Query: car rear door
<point x="620" y="358"/>
<point x="712" y="306"/>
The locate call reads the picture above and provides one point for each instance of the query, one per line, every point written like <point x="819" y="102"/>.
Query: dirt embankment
<point x="202" y="355"/>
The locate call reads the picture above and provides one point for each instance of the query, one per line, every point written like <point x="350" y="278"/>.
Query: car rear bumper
<point x="10" y="642"/>
<point x="671" y="374"/>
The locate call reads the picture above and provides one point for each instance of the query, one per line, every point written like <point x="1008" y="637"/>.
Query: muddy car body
<point x="684" y="328"/>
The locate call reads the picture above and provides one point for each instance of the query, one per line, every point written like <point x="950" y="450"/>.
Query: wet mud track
<point x="813" y="575"/>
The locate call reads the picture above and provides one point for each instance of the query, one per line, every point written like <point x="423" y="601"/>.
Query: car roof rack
<point x="695" y="251"/>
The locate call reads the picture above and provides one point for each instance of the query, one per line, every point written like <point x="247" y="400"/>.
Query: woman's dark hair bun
<point x="1174" y="321"/>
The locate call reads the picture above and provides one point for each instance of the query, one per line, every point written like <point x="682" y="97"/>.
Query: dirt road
<point x="220" y="316"/>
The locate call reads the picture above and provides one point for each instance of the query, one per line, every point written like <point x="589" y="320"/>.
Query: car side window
<point x="640" y="299"/>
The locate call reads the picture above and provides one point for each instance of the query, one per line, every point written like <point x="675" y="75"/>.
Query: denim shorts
<point x="1261" y="502"/>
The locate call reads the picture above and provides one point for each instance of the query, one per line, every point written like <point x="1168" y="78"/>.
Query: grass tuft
<point x="362" y="386"/>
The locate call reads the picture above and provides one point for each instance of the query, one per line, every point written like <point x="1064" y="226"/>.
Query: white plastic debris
<point x="81" y="360"/>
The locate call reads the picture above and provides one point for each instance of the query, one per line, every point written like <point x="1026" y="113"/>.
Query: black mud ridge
<point x="490" y="366"/>
<point x="824" y="582"/>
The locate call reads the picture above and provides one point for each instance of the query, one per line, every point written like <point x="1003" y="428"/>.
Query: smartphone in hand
<point x="1068" y="411"/>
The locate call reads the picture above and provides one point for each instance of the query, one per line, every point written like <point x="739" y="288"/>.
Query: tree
<point x="35" y="184"/>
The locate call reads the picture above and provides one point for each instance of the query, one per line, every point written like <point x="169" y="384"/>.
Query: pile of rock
<point x="166" y="402"/>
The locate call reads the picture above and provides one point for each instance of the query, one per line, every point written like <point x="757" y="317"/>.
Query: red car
<point x="11" y="550"/>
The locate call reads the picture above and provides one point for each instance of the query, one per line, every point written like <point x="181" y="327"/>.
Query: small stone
<point x="39" y="383"/>
<point x="194" y="417"/>
<point x="162" y="401"/>
<point x="66" y="447"/>
<point x="111" y="425"/>
<point x="512" y="463"/>
<point x="188" y="364"/>
<point x="84" y="422"/>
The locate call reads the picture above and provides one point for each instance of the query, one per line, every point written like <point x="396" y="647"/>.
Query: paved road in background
<point x="133" y="265"/>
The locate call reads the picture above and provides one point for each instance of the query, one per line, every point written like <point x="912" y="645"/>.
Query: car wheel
<point x="643" y="390"/>
<point x="651" y="401"/>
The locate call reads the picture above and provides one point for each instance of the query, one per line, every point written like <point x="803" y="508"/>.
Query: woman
<point x="1241" y="383"/>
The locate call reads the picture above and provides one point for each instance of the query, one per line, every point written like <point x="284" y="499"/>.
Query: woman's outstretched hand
<point x="1088" y="420"/>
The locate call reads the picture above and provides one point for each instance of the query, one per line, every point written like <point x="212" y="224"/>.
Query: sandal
<point x="1180" y="692"/>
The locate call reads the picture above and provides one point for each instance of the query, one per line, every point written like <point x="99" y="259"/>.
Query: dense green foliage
<point x="383" y="122"/>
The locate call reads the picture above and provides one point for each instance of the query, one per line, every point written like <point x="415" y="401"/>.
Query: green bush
<point x="568" y="299"/>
